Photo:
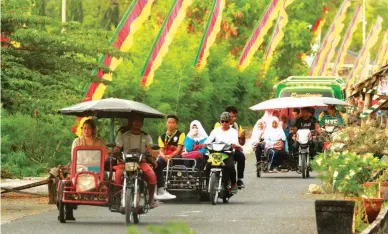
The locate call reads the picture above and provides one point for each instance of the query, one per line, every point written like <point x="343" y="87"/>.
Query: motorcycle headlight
<point x="218" y="147"/>
<point x="131" y="166"/>
<point x="329" y="129"/>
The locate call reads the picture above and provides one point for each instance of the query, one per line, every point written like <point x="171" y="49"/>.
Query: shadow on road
<point x="285" y="177"/>
<point x="113" y="223"/>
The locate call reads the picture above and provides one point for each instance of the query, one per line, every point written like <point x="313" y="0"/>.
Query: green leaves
<point x="347" y="171"/>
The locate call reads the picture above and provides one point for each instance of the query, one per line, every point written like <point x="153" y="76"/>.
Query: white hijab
<point x="272" y="134"/>
<point x="257" y="132"/>
<point x="201" y="131"/>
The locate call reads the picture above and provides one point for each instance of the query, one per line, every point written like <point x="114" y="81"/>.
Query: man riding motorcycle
<point x="239" y="156"/>
<point x="136" y="140"/>
<point x="306" y="121"/>
<point x="227" y="135"/>
<point x="331" y="117"/>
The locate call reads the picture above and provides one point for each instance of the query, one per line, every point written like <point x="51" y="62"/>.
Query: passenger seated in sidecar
<point x="186" y="171"/>
<point x="193" y="145"/>
<point x="274" y="139"/>
<point x="88" y="138"/>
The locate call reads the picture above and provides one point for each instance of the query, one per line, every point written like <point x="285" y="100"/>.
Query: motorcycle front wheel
<point x="131" y="214"/>
<point x="213" y="185"/>
<point x="303" y="165"/>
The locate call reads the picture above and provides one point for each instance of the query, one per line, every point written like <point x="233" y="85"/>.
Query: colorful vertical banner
<point x="382" y="50"/>
<point x="385" y="57"/>
<point x="369" y="43"/>
<point x="316" y="29"/>
<point x="277" y="36"/>
<point x="364" y="72"/>
<point x="259" y="32"/>
<point x="334" y="31"/>
<point x="166" y="34"/>
<point x="133" y="19"/>
<point x="339" y="61"/>
<point x="213" y="27"/>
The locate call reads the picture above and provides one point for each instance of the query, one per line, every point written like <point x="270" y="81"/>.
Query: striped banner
<point x="213" y="26"/>
<point x="373" y="108"/>
<point x="329" y="55"/>
<point x="133" y="19"/>
<point x="339" y="61"/>
<point x="385" y="57"/>
<point x="369" y="43"/>
<point x="277" y="36"/>
<point x="166" y="34"/>
<point x="382" y="50"/>
<point x="257" y="37"/>
<point x="334" y="31"/>
<point x="320" y="22"/>
<point x="364" y="72"/>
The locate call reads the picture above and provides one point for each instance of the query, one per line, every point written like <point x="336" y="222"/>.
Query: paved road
<point x="273" y="204"/>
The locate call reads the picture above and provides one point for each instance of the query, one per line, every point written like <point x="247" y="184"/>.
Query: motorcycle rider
<point x="306" y="121"/>
<point x="228" y="135"/>
<point x="331" y="117"/>
<point x="239" y="156"/>
<point x="136" y="140"/>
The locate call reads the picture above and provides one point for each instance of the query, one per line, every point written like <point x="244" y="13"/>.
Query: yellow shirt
<point x="176" y="139"/>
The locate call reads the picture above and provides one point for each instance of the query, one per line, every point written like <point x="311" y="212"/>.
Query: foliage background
<point x="51" y="68"/>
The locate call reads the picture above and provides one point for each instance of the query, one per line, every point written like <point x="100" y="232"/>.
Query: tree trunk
<point x="52" y="190"/>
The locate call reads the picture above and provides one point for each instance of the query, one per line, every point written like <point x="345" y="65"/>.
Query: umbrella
<point x="287" y="102"/>
<point x="111" y="108"/>
<point x="328" y="101"/>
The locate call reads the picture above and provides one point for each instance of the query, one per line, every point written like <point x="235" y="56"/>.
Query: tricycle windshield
<point x="87" y="159"/>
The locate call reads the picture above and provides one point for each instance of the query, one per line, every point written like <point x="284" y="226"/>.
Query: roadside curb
<point x="380" y="225"/>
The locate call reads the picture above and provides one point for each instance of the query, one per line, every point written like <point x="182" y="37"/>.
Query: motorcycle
<point x="134" y="197"/>
<point x="328" y="131"/>
<point x="303" y="137"/>
<point x="218" y="153"/>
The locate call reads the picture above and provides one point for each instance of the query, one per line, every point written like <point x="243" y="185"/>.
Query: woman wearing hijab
<point x="193" y="141"/>
<point x="257" y="139"/>
<point x="274" y="139"/>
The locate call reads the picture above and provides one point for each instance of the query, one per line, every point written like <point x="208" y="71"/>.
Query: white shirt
<point x="130" y="141"/>
<point x="228" y="137"/>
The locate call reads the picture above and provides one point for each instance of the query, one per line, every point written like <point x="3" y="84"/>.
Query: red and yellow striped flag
<point x="364" y="72"/>
<point x="369" y="43"/>
<point x="277" y="36"/>
<point x="339" y="61"/>
<point x="334" y="31"/>
<point x="133" y="19"/>
<point x="258" y="34"/>
<point x="381" y="54"/>
<point x="385" y="57"/>
<point x="320" y="22"/>
<point x="213" y="26"/>
<point x="166" y="34"/>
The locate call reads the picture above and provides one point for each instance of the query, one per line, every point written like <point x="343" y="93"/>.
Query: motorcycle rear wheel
<point x="60" y="204"/>
<point x="258" y="170"/>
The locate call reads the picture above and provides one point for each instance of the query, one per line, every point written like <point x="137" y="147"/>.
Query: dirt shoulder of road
<point x="15" y="206"/>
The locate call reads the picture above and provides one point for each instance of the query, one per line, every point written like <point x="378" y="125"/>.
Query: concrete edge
<point x="379" y="224"/>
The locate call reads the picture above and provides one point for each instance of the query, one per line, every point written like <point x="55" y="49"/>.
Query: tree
<point x="45" y="66"/>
